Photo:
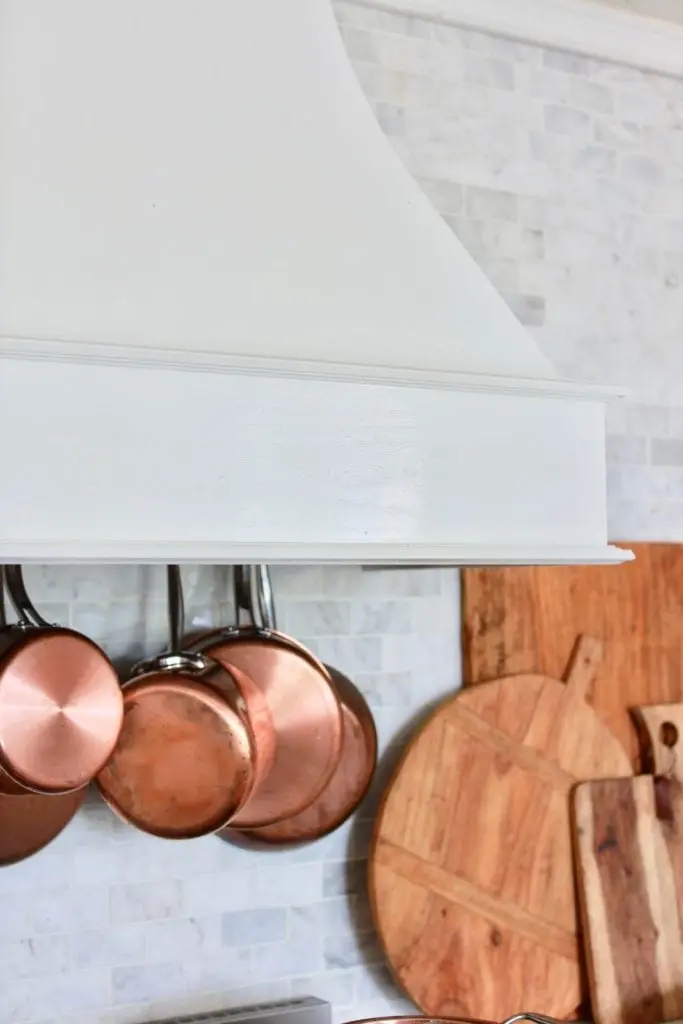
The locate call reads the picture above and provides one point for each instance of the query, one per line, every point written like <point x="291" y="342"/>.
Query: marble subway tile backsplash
<point x="110" y="926"/>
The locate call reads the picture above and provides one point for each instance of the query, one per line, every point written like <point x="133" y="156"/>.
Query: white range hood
<point x="234" y="329"/>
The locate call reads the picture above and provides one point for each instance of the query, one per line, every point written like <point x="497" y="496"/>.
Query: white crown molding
<point x="139" y="357"/>
<point x="580" y="26"/>
<point x="395" y="555"/>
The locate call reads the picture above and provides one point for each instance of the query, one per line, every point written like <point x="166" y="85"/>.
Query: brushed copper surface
<point x="305" y="713"/>
<point x="183" y="764"/>
<point x="61" y="709"/>
<point x="351" y="778"/>
<point x="30" y="821"/>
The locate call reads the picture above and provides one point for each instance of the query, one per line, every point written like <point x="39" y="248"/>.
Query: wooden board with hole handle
<point x="629" y="852"/>
<point x="471" y="879"/>
<point x="524" y="618"/>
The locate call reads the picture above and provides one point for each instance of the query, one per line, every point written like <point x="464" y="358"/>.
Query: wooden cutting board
<point x="471" y="879"/>
<point x="629" y="845"/>
<point x="524" y="619"/>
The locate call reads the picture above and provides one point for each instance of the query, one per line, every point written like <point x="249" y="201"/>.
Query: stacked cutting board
<point x="517" y="801"/>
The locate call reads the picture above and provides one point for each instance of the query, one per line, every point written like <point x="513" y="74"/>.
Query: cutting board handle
<point x="660" y="731"/>
<point x="583" y="666"/>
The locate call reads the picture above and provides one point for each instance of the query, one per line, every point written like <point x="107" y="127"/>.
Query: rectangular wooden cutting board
<point x="629" y="859"/>
<point x="525" y="619"/>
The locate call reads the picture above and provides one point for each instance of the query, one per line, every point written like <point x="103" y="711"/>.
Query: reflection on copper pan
<point x="182" y="766"/>
<point x="60" y="704"/>
<point x="306" y="717"/>
<point x="30" y="821"/>
<point x="350" y="781"/>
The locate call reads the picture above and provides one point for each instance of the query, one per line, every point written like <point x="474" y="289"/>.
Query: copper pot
<point x="60" y="702"/>
<point x="303" y="706"/>
<point x="184" y="763"/>
<point x="349" y="783"/>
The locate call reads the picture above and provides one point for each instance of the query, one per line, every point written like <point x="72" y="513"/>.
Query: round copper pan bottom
<point x="182" y="766"/>
<point x="348" y="785"/>
<point x="31" y="821"/>
<point x="306" y="717"/>
<point x="60" y="710"/>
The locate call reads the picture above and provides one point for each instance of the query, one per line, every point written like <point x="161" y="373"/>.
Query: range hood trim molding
<point x="181" y="360"/>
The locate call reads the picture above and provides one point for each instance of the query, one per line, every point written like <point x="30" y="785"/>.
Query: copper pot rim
<point x="226" y="705"/>
<point x="21" y="637"/>
<point x="234" y="634"/>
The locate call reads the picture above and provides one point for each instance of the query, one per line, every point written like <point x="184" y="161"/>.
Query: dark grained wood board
<point x="471" y="879"/>
<point x="524" y="619"/>
<point x="630" y="871"/>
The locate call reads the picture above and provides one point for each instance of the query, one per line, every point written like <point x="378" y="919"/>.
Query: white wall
<point x="564" y="177"/>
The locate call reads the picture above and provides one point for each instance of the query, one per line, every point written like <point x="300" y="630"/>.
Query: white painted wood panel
<point x="136" y="464"/>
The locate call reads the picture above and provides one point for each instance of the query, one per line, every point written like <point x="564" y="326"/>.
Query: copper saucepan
<point x="303" y="707"/>
<point x="183" y="766"/>
<point x="353" y="775"/>
<point x="60" y="702"/>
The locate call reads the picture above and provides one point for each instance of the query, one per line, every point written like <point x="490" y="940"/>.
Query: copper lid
<point x="60" y="710"/>
<point x="31" y="821"/>
<point x="183" y="763"/>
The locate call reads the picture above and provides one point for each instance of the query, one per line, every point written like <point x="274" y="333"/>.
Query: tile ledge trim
<point x="580" y="26"/>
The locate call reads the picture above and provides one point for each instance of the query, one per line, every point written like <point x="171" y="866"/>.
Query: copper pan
<point x="32" y="820"/>
<point x="357" y="763"/>
<point x="183" y="766"/>
<point x="349" y="783"/>
<point x="303" y="706"/>
<point x="60" y="702"/>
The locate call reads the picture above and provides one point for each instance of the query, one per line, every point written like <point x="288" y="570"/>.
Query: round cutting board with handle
<point x="471" y="875"/>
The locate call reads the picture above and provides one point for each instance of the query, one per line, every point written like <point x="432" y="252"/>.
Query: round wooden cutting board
<point x="471" y="874"/>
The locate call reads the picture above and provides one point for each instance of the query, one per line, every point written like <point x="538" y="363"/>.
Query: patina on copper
<point x="30" y="821"/>
<point x="61" y="706"/>
<point x="184" y="763"/>
<point x="304" y="710"/>
<point x="349" y="783"/>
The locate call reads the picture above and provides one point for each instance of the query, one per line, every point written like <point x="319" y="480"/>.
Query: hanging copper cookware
<point x="29" y="821"/>
<point x="60" y="702"/>
<point x="183" y="766"/>
<point x="353" y="775"/>
<point x="303" y="707"/>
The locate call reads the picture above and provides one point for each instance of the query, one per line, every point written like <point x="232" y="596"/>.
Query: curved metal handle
<point x="262" y="596"/>
<point x="536" y="1018"/>
<point x="16" y="588"/>
<point x="176" y="608"/>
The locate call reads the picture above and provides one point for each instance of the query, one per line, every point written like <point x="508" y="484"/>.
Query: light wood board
<point x="524" y="619"/>
<point x="471" y="877"/>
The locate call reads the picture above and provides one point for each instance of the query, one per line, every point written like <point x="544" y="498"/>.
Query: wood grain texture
<point x="629" y="846"/>
<point x="524" y="619"/>
<point x="660" y="730"/>
<point x="471" y="878"/>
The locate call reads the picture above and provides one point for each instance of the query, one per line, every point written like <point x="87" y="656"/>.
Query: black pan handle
<point x="24" y="607"/>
